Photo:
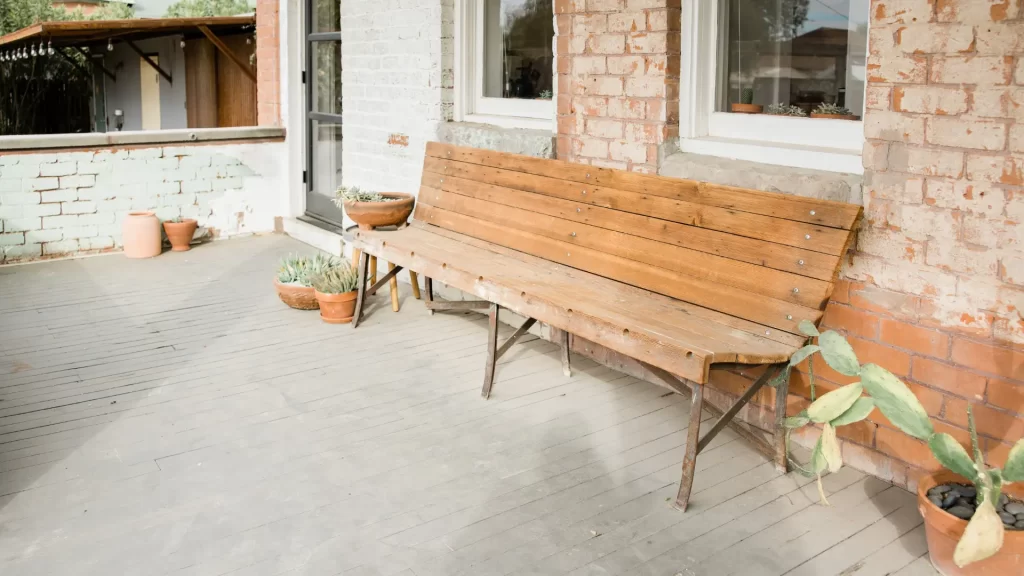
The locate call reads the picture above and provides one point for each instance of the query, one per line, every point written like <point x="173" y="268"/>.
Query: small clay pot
<point x="747" y="108"/>
<point x="943" y="531"/>
<point x="370" y="215"/>
<point x="140" y="235"/>
<point x="298" y="297"/>
<point x="834" y="116"/>
<point x="337" y="308"/>
<point x="180" y="234"/>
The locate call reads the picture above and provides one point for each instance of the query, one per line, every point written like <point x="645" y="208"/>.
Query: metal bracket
<point x="149" y="61"/>
<point x="227" y="52"/>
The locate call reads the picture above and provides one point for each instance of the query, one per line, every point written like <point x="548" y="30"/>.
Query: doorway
<point x="322" y="79"/>
<point x="150" y="90"/>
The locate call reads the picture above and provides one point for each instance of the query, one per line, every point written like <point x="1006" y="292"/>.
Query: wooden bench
<point x="685" y="277"/>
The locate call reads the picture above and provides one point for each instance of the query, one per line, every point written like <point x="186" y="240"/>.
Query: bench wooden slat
<point x="697" y="265"/>
<point x="527" y="280"/>
<point x="788" y="232"/>
<point x="739" y="248"/>
<point x="825" y="212"/>
<point x="754" y="307"/>
<point x="709" y="321"/>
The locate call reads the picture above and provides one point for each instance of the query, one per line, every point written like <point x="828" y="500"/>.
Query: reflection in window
<point x="327" y="77"/>
<point x="517" y="55"/>
<point x="794" y="52"/>
<point x="327" y="16"/>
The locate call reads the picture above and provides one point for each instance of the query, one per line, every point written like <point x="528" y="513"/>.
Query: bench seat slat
<point x="752" y="251"/>
<point x="780" y="231"/>
<point x="520" y="284"/>
<point x="775" y="314"/>
<point x="825" y="212"/>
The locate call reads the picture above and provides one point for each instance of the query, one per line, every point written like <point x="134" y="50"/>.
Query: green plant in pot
<point x="179" y="232"/>
<point x="746" y="104"/>
<point x="335" y="291"/>
<point x="781" y="109"/>
<point x="293" y="281"/>
<point x="372" y="210"/>
<point x="834" y="111"/>
<point x="971" y="533"/>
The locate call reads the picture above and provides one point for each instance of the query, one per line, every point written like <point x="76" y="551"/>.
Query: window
<point x="794" y="54"/>
<point x="504" y="71"/>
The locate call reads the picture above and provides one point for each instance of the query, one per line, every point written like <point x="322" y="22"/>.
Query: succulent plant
<point x="832" y="109"/>
<point x="354" y="194"/>
<point x="300" y="270"/>
<point x="983" y="536"/>
<point x="747" y="96"/>
<point x="337" y="280"/>
<point x="545" y="95"/>
<point x="781" y="109"/>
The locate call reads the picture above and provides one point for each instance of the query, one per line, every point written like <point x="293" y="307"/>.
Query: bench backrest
<point x="765" y="257"/>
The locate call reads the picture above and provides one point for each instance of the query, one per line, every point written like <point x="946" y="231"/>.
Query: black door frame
<point x="310" y="40"/>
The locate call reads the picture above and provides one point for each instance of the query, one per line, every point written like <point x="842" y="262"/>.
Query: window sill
<point x="792" y="155"/>
<point x="105" y="139"/>
<point x="511" y="121"/>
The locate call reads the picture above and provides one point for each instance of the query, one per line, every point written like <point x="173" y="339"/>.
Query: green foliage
<point x="301" y="270"/>
<point x="832" y="109"/>
<point x="354" y="194"/>
<point x="337" y="280"/>
<point x="983" y="536"/>
<point x="781" y="109"/>
<point x="747" y="96"/>
<point x="206" y="8"/>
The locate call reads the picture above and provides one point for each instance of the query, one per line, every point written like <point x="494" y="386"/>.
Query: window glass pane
<point x="794" y="52"/>
<point x="517" y="55"/>
<point x="326" y="163"/>
<point x="327" y="77"/>
<point x="326" y="15"/>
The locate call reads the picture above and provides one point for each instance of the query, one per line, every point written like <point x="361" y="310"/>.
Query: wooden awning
<point x="90" y="32"/>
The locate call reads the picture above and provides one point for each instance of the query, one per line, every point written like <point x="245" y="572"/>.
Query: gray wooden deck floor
<point x="170" y="416"/>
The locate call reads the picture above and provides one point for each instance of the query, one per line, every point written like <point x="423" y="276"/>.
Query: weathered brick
<point x="606" y="44"/>
<point x="922" y="222"/>
<point x="602" y="86"/>
<point x="975" y="197"/>
<point x="894" y="127"/>
<point x="996" y="70"/>
<point x="627" y="22"/>
<point x="944" y="131"/>
<point x="975" y="11"/>
<point x="931" y="38"/>
<point x="626" y="65"/>
<point x="1007" y="169"/>
<point x="949" y="378"/>
<point x="929" y="99"/>
<point x="878" y="97"/>
<point x="55" y="222"/>
<point x="628" y="152"/>
<point x="61" y="247"/>
<point x="891" y="245"/>
<point x="12" y="239"/>
<point x="898" y="69"/>
<point x="627" y="108"/>
<point x="592" y="147"/>
<point x="998" y="103"/>
<point x="645" y="87"/>
<point x="589" y="23"/>
<point x="952" y="255"/>
<point x="40" y="236"/>
<point x="925" y="161"/>
<point x="60" y="195"/>
<point x="58" y="169"/>
<point x="1006" y="394"/>
<point x="914" y="338"/>
<point x="39" y="210"/>
<point x="581" y="65"/>
<point x="1000" y="38"/>
<point x="78" y="207"/>
<point x="1016" y="139"/>
<point x="900" y="11"/>
<point x="903" y="447"/>
<point x="851" y="320"/>
<point x="1013" y="270"/>
<point x="21" y="224"/>
<point x="97" y="243"/>
<point x="983" y="356"/>
<point x="650" y="42"/>
<point x="37" y="184"/>
<point x="19" y="198"/>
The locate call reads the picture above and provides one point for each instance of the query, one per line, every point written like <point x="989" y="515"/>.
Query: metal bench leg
<point x="692" y="441"/>
<point x="428" y="289"/>
<point x="781" y="396"/>
<point x="363" y="265"/>
<point x="566" y="369"/>
<point x="492" y="350"/>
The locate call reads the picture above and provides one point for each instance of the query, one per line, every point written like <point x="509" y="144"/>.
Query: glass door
<point x="323" y="109"/>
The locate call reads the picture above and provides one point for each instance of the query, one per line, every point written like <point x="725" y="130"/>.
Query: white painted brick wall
<point x="397" y="74"/>
<point x="66" y="203"/>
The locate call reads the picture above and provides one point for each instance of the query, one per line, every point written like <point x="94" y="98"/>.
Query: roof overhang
<point x="88" y="32"/>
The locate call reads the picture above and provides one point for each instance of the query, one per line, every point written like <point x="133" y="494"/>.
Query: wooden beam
<point x="227" y="52"/>
<point x="149" y="61"/>
<point x="88" y="58"/>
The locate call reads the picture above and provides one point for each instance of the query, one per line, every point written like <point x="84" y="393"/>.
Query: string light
<point x="110" y="46"/>
<point x="42" y="48"/>
<point x="33" y="50"/>
<point x="49" y="47"/>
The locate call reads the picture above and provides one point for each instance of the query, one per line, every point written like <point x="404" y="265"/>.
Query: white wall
<point x="125" y="93"/>
<point x="64" y="203"/>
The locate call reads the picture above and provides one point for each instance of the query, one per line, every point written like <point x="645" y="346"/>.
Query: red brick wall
<point x="618" y="80"/>
<point x="934" y="290"/>
<point x="268" y="67"/>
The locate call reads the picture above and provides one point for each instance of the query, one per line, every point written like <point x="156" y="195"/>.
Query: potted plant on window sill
<point x="746" y="104"/>
<point x="970" y="525"/>
<point x="781" y="109"/>
<point x="374" y="209"/>
<point x="833" y="111"/>
<point x="336" y="293"/>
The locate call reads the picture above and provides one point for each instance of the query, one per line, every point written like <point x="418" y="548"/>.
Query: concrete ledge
<point x="539" y="143"/>
<point x="767" y="177"/>
<point x="107" y="139"/>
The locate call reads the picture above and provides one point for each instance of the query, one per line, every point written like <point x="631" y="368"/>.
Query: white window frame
<point x="470" y="103"/>
<point x="817" y="143"/>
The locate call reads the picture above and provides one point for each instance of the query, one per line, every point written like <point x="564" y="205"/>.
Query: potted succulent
<point x="374" y="209"/>
<point x="972" y="528"/>
<point x="545" y="95"/>
<point x="180" y="231"/>
<point x="746" y="104"/>
<point x="293" y="281"/>
<point x="781" y="109"/>
<point x="834" y="111"/>
<point x="335" y="291"/>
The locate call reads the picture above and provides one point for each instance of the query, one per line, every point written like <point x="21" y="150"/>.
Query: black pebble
<point x="940" y="489"/>
<point x="967" y="491"/>
<point x="961" y="512"/>
<point x="936" y="499"/>
<point x="965" y="502"/>
<point x="1019" y="525"/>
<point x="948" y="500"/>
<point x="1007" y="519"/>
<point x="1003" y="500"/>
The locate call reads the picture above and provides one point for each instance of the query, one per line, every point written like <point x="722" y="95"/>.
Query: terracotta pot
<point x="944" y="530"/>
<point x="337" y="308"/>
<point x="140" y="235"/>
<point x="834" y="116"/>
<point x="370" y="215"/>
<point x="747" y="108"/>
<point x="298" y="297"/>
<point x="180" y="234"/>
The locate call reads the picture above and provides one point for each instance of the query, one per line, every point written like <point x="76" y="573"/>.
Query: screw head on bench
<point x="796" y="290"/>
<point x="789" y="316"/>
<point x="800" y="262"/>
<point x="812" y="212"/>
<point x="577" y="209"/>
<point x="807" y="236"/>
<point x="573" y="234"/>
<point x="584" y="192"/>
<point x="767" y="332"/>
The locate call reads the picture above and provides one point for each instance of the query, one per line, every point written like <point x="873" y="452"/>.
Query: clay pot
<point x="747" y="108"/>
<point x="370" y="215"/>
<point x="180" y="234"/>
<point x="337" y="308"/>
<point x="944" y="530"/>
<point x="298" y="297"/>
<point x="140" y="235"/>
<point x="834" y="116"/>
